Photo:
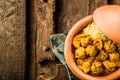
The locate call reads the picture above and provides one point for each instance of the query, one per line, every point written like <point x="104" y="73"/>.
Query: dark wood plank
<point x="62" y="73"/>
<point x="45" y="27"/>
<point x="12" y="39"/>
<point x="93" y="4"/>
<point x="68" y="12"/>
<point x="31" y="39"/>
<point x="116" y="2"/>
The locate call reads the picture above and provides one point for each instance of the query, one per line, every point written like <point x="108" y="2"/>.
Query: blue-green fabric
<point x="57" y="41"/>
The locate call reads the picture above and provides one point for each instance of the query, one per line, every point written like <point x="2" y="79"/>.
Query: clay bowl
<point x="69" y="57"/>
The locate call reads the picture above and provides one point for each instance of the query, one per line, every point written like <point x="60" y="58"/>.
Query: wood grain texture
<point x="68" y="12"/>
<point x="93" y="4"/>
<point x="62" y="73"/>
<point x="45" y="27"/>
<point x="12" y="39"/>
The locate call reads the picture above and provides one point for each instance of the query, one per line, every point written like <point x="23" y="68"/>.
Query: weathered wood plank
<point x="62" y="73"/>
<point x="12" y="39"/>
<point x="45" y="27"/>
<point x="68" y="12"/>
<point x="93" y="4"/>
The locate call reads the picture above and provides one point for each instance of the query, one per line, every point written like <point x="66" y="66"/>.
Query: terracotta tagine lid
<point x="107" y="19"/>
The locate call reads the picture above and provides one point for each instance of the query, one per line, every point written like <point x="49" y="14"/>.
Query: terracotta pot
<point x="69" y="57"/>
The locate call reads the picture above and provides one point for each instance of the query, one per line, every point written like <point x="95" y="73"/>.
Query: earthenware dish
<point x="112" y="21"/>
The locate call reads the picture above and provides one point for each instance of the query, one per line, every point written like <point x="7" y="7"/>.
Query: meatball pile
<point x="98" y="56"/>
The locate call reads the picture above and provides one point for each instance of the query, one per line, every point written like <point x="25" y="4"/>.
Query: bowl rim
<point x="69" y="57"/>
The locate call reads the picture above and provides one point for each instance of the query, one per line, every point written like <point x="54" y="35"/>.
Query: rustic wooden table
<point x="25" y="28"/>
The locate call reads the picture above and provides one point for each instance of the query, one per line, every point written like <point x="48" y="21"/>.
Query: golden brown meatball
<point x="86" y="67"/>
<point x="76" y="40"/>
<point x="85" y="41"/>
<point x="91" y="50"/>
<point x="79" y="53"/>
<point x="98" y="43"/>
<point x="114" y="56"/>
<point x="109" y="65"/>
<point x="109" y="46"/>
<point x="96" y="67"/>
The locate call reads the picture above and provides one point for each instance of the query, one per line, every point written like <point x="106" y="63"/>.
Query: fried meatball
<point x="79" y="53"/>
<point x="109" y="65"/>
<point x="85" y="41"/>
<point x="76" y="40"/>
<point x="96" y="67"/>
<point x="109" y="46"/>
<point x="114" y="56"/>
<point x="86" y="67"/>
<point x="91" y="50"/>
<point x="98" y="43"/>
